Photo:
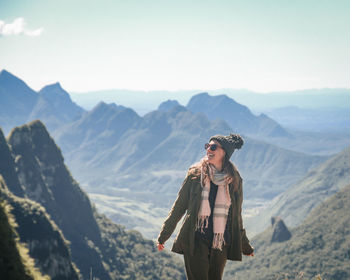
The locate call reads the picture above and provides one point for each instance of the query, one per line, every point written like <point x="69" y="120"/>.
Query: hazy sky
<point x="259" y="45"/>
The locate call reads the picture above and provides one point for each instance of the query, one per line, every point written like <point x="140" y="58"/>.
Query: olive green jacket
<point x="189" y="199"/>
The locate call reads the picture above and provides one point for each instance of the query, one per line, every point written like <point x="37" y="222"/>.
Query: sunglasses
<point x="212" y="147"/>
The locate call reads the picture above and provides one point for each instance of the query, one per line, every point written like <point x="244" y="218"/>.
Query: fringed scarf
<point x="222" y="203"/>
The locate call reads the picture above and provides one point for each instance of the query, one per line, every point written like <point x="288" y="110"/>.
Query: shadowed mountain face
<point x="8" y="168"/>
<point x="320" y="183"/>
<point x="94" y="240"/>
<point x="20" y="104"/>
<point x="14" y="263"/>
<point x="45" y="241"/>
<point x="238" y="117"/>
<point x="319" y="245"/>
<point x="48" y="182"/>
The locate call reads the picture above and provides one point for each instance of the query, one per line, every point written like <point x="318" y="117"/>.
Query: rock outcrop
<point x="280" y="231"/>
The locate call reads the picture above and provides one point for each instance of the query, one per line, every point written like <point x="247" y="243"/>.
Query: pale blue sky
<point x="259" y="45"/>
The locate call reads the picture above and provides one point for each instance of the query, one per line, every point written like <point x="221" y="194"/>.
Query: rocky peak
<point x="168" y="105"/>
<point x="47" y="180"/>
<point x="280" y="231"/>
<point x="14" y="84"/>
<point x="5" y="75"/>
<point x="55" y="93"/>
<point x="35" y="138"/>
<point x="53" y="88"/>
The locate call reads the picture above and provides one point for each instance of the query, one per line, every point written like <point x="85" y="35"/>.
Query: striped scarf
<point x="222" y="203"/>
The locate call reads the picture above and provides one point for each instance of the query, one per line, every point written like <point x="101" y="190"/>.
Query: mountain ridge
<point x="52" y="104"/>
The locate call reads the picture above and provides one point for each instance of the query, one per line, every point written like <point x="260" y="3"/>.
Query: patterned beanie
<point x="229" y="143"/>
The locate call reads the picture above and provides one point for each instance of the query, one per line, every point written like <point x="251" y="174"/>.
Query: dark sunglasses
<point x="212" y="147"/>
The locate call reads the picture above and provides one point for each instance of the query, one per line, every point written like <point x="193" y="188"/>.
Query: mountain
<point x="15" y="96"/>
<point x="8" y="168"/>
<point x="20" y="104"/>
<point x="318" y="246"/>
<point x="104" y="123"/>
<point x="168" y="105"/>
<point x="96" y="244"/>
<point x="113" y="141"/>
<point x="238" y="116"/>
<point x="55" y="107"/>
<point x="15" y="263"/>
<point x="268" y="170"/>
<point x="319" y="183"/>
<point x="45" y="241"/>
<point x="114" y="138"/>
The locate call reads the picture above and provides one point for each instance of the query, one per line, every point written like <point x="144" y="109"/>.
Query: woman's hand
<point x="160" y="246"/>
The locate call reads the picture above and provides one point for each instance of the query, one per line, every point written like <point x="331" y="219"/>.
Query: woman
<point x="212" y="229"/>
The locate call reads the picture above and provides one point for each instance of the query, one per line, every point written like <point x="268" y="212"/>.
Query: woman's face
<point x="215" y="157"/>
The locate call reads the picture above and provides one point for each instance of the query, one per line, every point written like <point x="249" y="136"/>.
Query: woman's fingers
<point x="160" y="246"/>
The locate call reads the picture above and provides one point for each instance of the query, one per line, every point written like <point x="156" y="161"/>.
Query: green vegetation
<point x="15" y="262"/>
<point x="296" y="203"/>
<point x="129" y="256"/>
<point x="319" y="246"/>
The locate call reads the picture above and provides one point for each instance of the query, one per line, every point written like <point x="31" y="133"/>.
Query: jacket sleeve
<point x="177" y="211"/>
<point x="247" y="249"/>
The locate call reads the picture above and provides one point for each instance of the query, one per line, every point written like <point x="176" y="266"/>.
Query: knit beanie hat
<point x="229" y="143"/>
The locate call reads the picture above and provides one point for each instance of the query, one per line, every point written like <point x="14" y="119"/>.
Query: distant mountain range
<point x="146" y="101"/>
<point x="32" y="167"/>
<point x="333" y="120"/>
<point x="319" y="246"/>
<point x="297" y="201"/>
<point x="112" y="141"/>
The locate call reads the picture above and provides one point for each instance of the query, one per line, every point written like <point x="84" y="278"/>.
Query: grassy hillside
<point x="319" y="246"/>
<point x="15" y="263"/>
<point x="46" y="243"/>
<point x="296" y="203"/>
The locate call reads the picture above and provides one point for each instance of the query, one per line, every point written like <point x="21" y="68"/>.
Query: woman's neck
<point x="218" y="166"/>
